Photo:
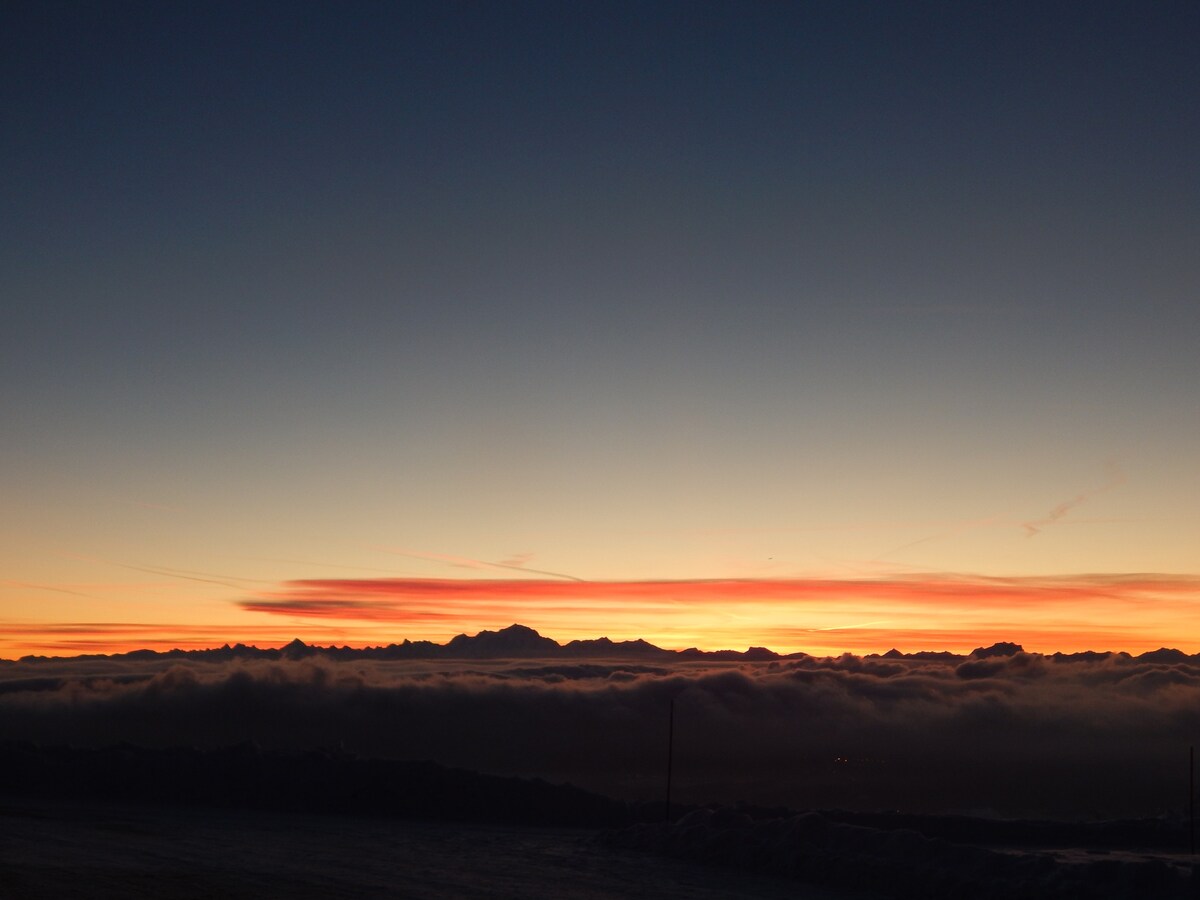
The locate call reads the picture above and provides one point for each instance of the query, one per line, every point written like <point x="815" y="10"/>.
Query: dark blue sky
<point x="489" y="278"/>
<point x="692" y="155"/>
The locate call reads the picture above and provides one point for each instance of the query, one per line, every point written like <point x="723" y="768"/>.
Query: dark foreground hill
<point x="247" y="777"/>
<point x="881" y="854"/>
<point x="106" y="851"/>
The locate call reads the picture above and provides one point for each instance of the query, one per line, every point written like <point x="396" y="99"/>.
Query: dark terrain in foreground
<point x="128" y="821"/>
<point x="102" y="851"/>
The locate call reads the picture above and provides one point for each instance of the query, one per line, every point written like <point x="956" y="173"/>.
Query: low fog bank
<point x="1007" y="733"/>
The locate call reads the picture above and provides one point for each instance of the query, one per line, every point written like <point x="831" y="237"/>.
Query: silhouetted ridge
<point x="603" y="648"/>
<point x="1001" y="648"/>
<point x="1163" y="655"/>
<point x="1088" y="656"/>
<point x="522" y="642"/>
<point x="513" y="642"/>
<point x="297" y="649"/>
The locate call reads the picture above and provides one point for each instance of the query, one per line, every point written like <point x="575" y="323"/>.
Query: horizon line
<point x="996" y="648"/>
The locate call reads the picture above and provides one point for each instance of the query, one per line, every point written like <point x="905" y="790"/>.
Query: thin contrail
<point x="46" y="587"/>
<point x="185" y="574"/>
<point x="476" y="563"/>
<point x="957" y="529"/>
<point x="848" y="627"/>
<point x="190" y="576"/>
<point x="322" y="565"/>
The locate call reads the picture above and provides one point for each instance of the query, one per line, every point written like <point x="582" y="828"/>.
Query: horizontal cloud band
<point x="1018" y="734"/>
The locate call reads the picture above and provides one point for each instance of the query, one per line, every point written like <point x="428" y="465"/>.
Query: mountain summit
<point x="297" y="649"/>
<point x="515" y="641"/>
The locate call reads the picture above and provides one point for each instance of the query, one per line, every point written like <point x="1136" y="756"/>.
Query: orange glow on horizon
<point x="820" y="616"/>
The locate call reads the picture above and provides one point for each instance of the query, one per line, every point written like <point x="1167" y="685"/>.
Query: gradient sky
<point x="854" y="307"/>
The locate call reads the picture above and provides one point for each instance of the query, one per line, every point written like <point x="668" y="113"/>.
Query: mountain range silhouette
<point x="522" y="642"/>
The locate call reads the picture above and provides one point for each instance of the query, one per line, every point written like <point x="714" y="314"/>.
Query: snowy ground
<point x="63" y="851"/>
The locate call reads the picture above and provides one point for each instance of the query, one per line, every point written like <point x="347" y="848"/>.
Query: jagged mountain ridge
<point x="522" y="642"/>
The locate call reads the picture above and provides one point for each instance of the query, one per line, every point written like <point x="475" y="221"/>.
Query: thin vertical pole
<point x="1192" y="799"/>
<point x="670" y="753"/>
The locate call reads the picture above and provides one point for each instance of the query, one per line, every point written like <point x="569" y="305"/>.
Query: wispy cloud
<point x="1115" y="477"/>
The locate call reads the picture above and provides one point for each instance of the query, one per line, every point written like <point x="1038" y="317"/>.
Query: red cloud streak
<point x="363" y="595"/>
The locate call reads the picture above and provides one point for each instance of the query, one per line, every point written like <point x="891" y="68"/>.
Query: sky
<point x="820" y="326"/>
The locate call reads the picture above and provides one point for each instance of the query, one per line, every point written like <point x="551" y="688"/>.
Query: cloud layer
<point x="1100" y="735"/>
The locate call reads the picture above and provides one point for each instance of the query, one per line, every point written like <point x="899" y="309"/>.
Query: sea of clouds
<point x="1013" y="735"/>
